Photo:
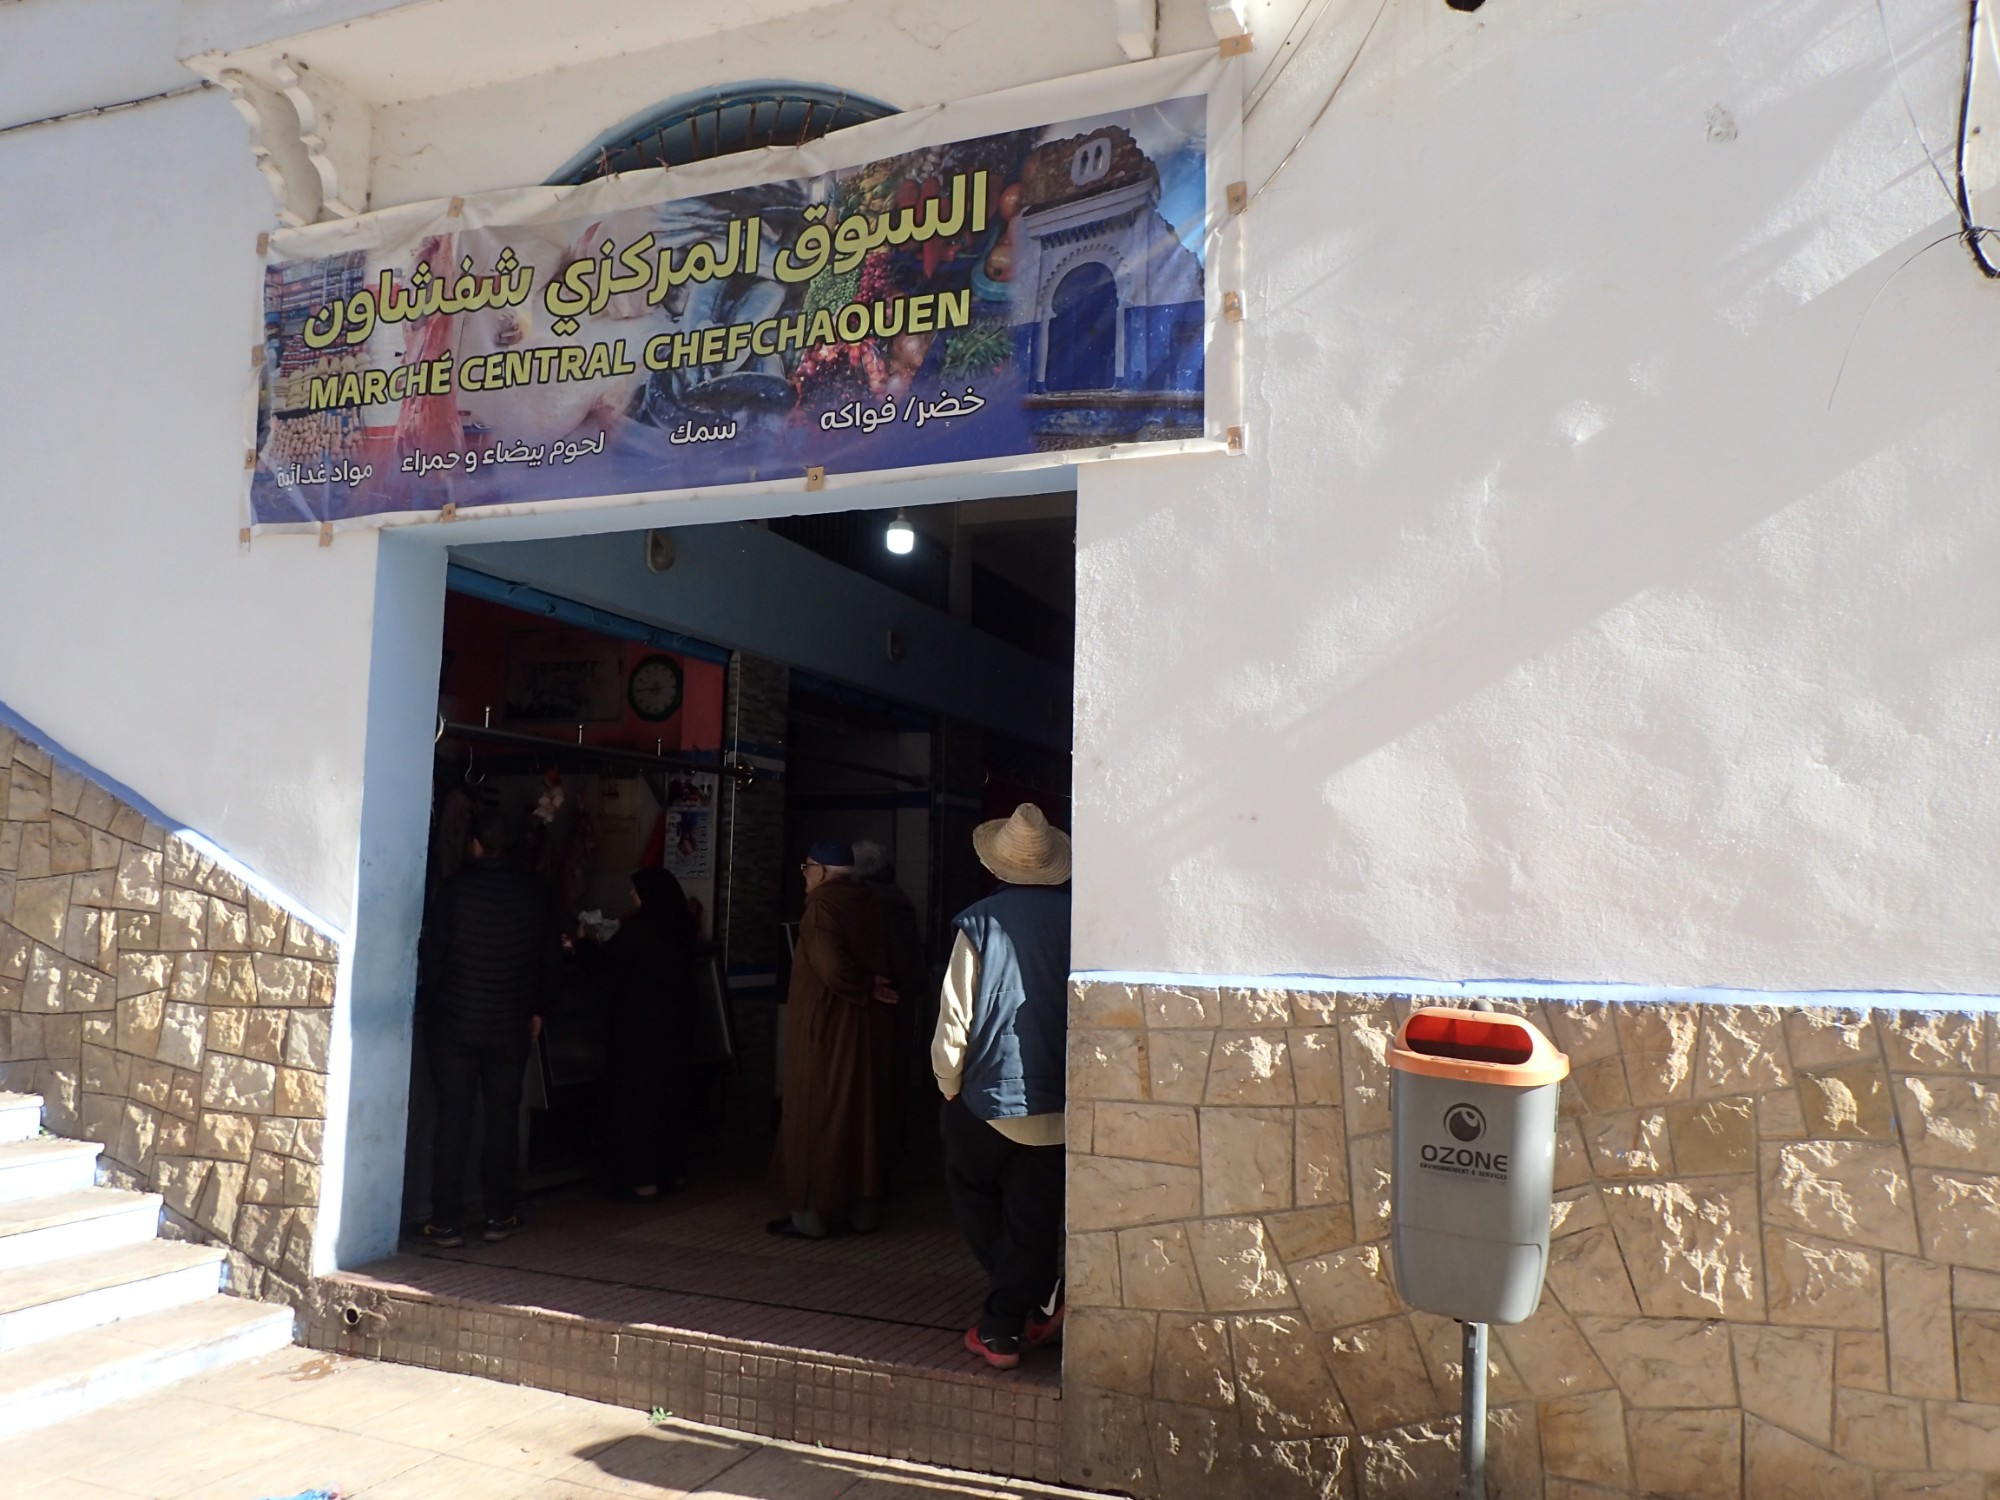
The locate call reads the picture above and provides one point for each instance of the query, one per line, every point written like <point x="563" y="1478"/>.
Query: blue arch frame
<point x="705" y="123"/>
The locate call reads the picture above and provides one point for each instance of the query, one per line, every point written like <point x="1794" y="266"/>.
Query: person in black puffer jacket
<point x="491" y="961"/>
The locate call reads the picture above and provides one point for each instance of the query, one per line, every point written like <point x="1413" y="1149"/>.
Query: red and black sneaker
<point x="1001" y="1351"/>
<point x="1045" y="1322"/>
<point x="1044" y="1330"/>
<point x="443" y="1236"/>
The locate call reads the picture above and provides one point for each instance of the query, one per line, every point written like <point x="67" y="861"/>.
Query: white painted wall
<point x="224" y="684"/>
<point x="1562" y="623"/>
<point x="1554" y="627"/>
<point x="62" y="55"/>
<point x="904" y="52"/>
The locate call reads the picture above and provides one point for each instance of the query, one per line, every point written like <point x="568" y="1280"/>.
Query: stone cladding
<point x="165" y="1010"/>
<point x="1775" y="1268"/>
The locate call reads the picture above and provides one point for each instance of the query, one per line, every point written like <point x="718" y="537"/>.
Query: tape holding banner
<point x="1028" y="278"/>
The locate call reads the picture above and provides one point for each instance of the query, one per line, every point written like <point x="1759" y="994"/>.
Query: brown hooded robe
<point x="832" y="1141"/>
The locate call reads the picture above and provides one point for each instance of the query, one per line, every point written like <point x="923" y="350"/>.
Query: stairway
<point x="94" y="1307"/>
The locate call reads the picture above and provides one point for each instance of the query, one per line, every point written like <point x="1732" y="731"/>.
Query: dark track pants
<point x="490" y="1067"/>
<point x="1009" y="1201"/>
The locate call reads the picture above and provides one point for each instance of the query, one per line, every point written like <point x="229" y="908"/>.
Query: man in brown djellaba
<point x="833" y="1136"/>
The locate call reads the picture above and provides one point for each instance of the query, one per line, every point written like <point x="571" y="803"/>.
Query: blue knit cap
<point x="835" y="854"/>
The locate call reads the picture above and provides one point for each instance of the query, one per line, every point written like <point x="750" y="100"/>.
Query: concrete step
<point x="62" y="1378"/>
<point x="88" y="1291"/>
<point x="20" y="1116"/>
<point x="38" y="1168"/>
<point x="37" y="1230"/>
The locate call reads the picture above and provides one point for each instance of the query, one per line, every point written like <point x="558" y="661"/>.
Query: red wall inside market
<point x="481" y="639"/>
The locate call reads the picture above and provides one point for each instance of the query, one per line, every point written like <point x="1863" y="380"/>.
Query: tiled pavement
<point x="708" y="1246"/>
<point x="298" y="1420"/>
<point x="689" y="1305"/>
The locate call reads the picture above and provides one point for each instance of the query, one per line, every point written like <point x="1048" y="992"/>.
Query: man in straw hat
<point x="999" y="1057"/>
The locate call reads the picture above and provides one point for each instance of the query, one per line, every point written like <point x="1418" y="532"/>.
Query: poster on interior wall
<point x="688" y="850"/>
<point x="1024" y="279"/>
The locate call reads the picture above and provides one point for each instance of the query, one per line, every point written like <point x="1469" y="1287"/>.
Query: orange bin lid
<point x="1476" y="1046"/>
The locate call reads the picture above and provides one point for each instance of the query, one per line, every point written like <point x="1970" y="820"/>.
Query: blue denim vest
<point x="1014" y="1055"/>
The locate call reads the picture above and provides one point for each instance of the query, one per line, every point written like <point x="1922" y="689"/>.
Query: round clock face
<point x="654" y="690"/>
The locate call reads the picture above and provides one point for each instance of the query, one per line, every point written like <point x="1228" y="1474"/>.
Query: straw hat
<point x="1023" y="849"/>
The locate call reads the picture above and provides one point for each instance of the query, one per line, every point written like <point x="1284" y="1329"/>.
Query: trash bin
<point x="1474" y="1143"/>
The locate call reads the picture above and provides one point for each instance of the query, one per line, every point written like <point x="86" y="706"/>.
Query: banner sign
<point x="1031" y="294"/>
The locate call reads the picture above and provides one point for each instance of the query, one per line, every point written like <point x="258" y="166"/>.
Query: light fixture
<point x="660" y="551"/>
<point x="901" y="537"/>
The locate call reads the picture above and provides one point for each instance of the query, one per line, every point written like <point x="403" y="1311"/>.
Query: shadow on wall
<point x="1585" y="359"/>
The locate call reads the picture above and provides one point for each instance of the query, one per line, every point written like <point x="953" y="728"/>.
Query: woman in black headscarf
<point x="647" y="974"/>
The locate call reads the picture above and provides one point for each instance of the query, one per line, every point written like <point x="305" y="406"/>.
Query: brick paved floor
<point x="687" y="1303"/>
<point x="700" y="1260"/>
<point x="299" y="1420"/>
<point x="709" y="1241"/>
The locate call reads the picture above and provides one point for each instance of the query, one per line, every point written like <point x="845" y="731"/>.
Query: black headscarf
<point x="662" y="900"/>
<point x="647" y="971"/>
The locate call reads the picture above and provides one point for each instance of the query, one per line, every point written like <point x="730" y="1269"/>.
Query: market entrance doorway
<point x="709" y="701"/>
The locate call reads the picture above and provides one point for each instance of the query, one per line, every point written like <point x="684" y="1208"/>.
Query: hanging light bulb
<point x="901" y="537"/>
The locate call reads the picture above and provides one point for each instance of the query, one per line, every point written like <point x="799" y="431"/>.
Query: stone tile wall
<point x="1775" y="1271"/>
<point x="161" y="1008"/>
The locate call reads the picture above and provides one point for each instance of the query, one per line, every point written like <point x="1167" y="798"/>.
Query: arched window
<point x="718" y="122"/>
<point x="1083" y="330"/>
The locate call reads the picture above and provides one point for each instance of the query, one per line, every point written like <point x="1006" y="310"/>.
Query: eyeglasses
<point x="811" y="864"/>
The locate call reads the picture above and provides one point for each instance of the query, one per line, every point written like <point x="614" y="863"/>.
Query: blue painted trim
<point x="1542" y="989"/>
<point x="203" y="845"/>
<point x="78" y="766"/>
<point x="529" y="600"/>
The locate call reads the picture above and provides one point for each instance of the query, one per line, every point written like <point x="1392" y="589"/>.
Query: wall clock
<point x="654" y="688"/>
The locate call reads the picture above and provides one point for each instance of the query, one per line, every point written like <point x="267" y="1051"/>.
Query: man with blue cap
<point x="833" y="1137"/>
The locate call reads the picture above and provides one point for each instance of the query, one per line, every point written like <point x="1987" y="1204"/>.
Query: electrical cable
<point x="1975" y="235"/>
<point x="1325" y="105"/>
<point x="1910" y="109"/>
<point x="1912" y="258"/>
<point x="1264" y="87"/>
<point x="1296" y="36"/>
<point x="96" y="111"/>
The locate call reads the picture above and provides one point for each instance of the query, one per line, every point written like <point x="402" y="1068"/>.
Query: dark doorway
<point x="707" y="702"/>
<point x="1083" y="330"/>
